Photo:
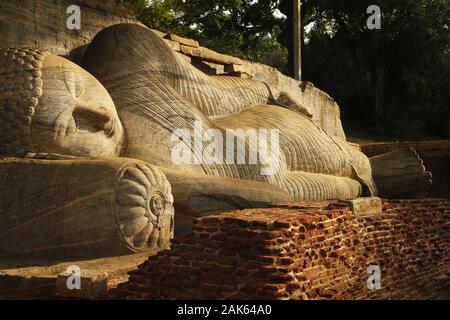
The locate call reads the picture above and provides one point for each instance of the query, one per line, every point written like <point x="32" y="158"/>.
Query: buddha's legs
<point x="304" y="186"/>
<point x="315" y="166"/>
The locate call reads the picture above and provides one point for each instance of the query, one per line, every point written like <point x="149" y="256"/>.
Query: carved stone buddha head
<point x="49" y="104"/>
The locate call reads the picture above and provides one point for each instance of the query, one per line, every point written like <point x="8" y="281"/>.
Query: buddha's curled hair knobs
<point x="20" y="90"/>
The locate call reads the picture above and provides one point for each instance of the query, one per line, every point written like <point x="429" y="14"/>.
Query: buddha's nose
<point x="94" y="118"/>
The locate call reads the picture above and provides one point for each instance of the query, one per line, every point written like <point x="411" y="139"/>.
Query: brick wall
<point x="304" y="251"/>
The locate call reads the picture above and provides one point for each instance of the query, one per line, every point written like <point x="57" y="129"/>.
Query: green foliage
<point x="158" y="14"/>
<point x="242" y="28"/>
<point x="393" y="82"/>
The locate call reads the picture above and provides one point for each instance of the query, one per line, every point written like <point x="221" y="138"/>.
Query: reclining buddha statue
<point x="95" y="158"/>
<point x="148" y="81"/>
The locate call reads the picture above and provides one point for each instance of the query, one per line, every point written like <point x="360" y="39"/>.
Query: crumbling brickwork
<point x="304" y="251"/>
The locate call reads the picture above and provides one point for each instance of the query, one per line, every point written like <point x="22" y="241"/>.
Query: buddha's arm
<point x="134" y="52"/>
<point x="315" y="166"/>
<point x="80" y="207"/>
<point x="224" y="95"/>
<point x="196" y="195"/>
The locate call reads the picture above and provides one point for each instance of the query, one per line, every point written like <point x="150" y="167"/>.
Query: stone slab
<point x="175" y="46"/>
<point x="209" y="55"/>
<point x="236" y="68"/>
<point x="86" y="284"/>
<point x="38" y="280"/>
<point x="365" y="206"/>
<point x="42" y="24"/>
<point x="182" y="41"/>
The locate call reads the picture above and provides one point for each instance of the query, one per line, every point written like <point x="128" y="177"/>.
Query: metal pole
<point x="297" y="40"/>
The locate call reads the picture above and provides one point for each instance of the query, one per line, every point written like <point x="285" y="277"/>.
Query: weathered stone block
<point x="209" y="55"/>
<point x="236" y="68"/>
<point x="182" y="41"/>
<point x="365" y="206"/>
<point x="89" y="284"/>
<point x="172" y="44"/>
<point x="42" y="24"/>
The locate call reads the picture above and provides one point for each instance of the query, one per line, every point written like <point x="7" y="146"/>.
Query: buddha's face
<point x="75" y="114"/>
